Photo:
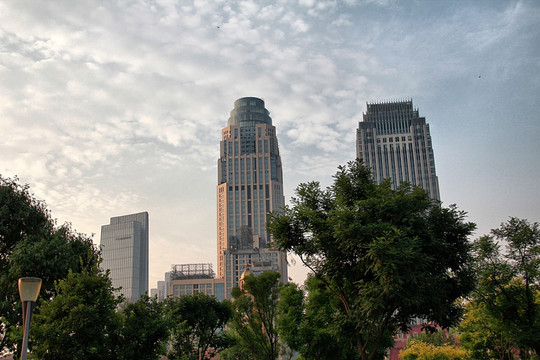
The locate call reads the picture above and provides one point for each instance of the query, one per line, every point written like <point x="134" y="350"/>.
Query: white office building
<point x="124" y="249"/>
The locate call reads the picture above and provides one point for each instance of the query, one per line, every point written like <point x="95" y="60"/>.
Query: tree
<point x="291" y="308"/>
<point x="436" y="337"/>
<point x="144" y="330"/>
<point x="380" y="252"/>
<point x="307" y="322"/>
<point x="505" y="306"/>
<point x="32" y="245"/>
<point x="197" y="326"/>
<point x="254" y="315"/>
<point x="483" y="336"/>
<point x="420" y="350"/>
<point x="81" y="320"/>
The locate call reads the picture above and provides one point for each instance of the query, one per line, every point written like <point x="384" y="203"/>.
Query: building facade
<point x="189" y="279"/>
<point x="394" y="141"/>
<point x="124" y="247"/>
<point x="250" y="186"/>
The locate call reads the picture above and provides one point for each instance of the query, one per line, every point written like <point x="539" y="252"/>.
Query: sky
<point x="111" y="107"/>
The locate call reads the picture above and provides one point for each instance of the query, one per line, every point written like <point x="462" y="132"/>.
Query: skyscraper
<point x="250" y="186"/>
<point x="124" y="246"/>
<point x="394" y="141"/>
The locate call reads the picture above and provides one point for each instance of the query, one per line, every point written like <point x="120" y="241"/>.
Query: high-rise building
<point x="124" y="247"/>
<point x="250" y="186"/>
<point x="394" y="141"/>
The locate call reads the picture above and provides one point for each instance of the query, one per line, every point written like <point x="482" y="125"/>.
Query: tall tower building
<point x="124" y="246"/>
<point x="250" y="186"/>
<point x="394" y="141"/>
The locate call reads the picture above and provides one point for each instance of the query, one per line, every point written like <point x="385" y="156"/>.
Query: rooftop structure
<point x="192" y="271"/>
<point x="395" y="142"/>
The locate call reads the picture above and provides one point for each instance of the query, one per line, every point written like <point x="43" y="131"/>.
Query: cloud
<point x="115" y="107"/>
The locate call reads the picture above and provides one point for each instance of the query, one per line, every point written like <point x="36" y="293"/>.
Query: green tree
<point x="307" y="323"/>
<point x="81" y="322"/>
<point x="436" y="337"/>
<point x="254" y="315"/>
<point x="235" y="351"/>
<point x="506" y="302"/>
<point x="483" y="336"/>
<point x="290" y="309"/>
<point x="32" y="245"/>
<point x="144" y="332"/>
<point x="197" y="324"/>
<point x="386" y="255"/>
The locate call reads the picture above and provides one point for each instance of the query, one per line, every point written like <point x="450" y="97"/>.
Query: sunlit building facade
<point x="250" y="186"/>
<point x="124" y="247"/>
<point x="395" y="142"/>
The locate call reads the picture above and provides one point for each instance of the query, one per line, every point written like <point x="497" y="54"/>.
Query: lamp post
<point x="29" y="291"/>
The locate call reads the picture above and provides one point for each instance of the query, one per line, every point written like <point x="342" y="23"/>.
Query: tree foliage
<point x="31" y="244"/>
<point x="380" y="252"/>
<point x="308" y="322"/>
<point x="504" y="313"/>
<point x="144" y="330"/>
<point x="254" y="315"/>
<point x="437" y="337"/>
<point x="420" y="350"/>
<point x="81" y="321"/>
<point x="197" y="324"/>
<point x="485" y="337"/>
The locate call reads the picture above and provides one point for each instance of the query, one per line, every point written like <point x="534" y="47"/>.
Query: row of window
<point x="249" y="145"/>
<point x="236" y="221"/>
<point x="399" y="164"/>
<point x="244" y="192"/>
<point x="238" y="171"/>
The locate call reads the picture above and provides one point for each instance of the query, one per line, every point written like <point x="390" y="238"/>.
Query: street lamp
<point x="29" y="291"/>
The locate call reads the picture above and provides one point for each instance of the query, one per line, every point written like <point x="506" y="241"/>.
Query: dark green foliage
<point x="197" y="324"/>
<point x="291" y="309"/>
<point x="81" y="322"/>
<point x="144" y="332"/>
<point x="438" y="337"/>
<point x="504" y="314"/>
<point x="310" y="324"/>
<point x="385" y="255"/>
<point x="254" y="315"/>
<point x="235" y="351"/>
<point x="32" y="245"/>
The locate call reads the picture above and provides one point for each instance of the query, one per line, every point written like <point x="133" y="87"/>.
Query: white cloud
<point x="109" y="108"/>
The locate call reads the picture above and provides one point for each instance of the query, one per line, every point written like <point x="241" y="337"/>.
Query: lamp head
<point x="29" y="288"/>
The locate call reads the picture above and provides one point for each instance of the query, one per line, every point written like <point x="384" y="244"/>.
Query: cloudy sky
<point x="114" y="107"/>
